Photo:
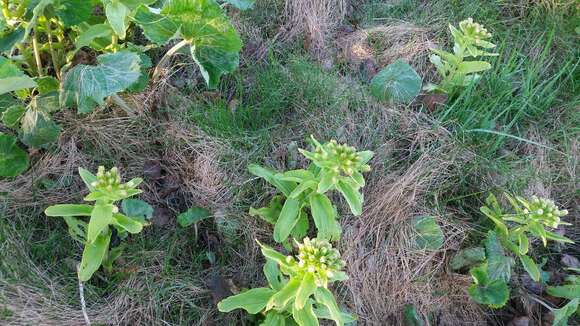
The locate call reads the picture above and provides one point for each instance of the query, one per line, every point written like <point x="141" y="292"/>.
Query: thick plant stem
<point x="114" y="42"/>
<point x="37" y="54"/>
<point x="51" y="48"/>
<point x="166" y="57"/>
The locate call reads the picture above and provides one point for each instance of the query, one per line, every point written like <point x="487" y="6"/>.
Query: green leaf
<point x="352" y="196"/>
<point x="568" y="291"/>
<point x="271" y="212"/>
<point x="411" y="316"/>
<point x="69" y="210"/>
<point x="467" y="257"/>
<point x="157" y="28"/>
<point x="117" y="14"/>
<point x="13" y="159"/>
<point x="499" y="224"/>
<point x="429" y="235"/>
<point x="93" y="255"/>
<point x="74" y="12"/>
<point x="301" y="228"/>
<point x="287" y="219"/>
<point x="302" y="187"/>
<point x="324" y="216"/>
<point x="306" y="289"/>
<point x="530" y="267"/>
<point x="562" y="315"/>
<point x="269" y="175"/>
<point x="214" y="41"/>
<point x="101" y="217"/>
<point x="281" y="298"/>
<point x="499" y="265"/>
<point x="272" y="254"/>
<point x="192" y="216"/>
<point x="253" y="301"/>
<point x="87" y="177"/>
<point x="324" y="297"/>
<point x="398" y="82"/>
<point x="47" y="84"/>
<point x="126" y="223"/>
<point x="493" y="293"/>
<point x="272" y="273"/>
<point x="87" y="86"/>
<point x="523" y="243"/>
<point x="9" y="39"/>
<point x="137" y="208"/>
<point x="93" y="32"/>
<point x="241" y="4"/>
<point x="11" y="117"/>
<point x="10" y="84"/>
<point x="38" y="129"/>
<point x="305" y="316"/>
<point x="274" y="318"/>
<point x="76" y="228"/>
<point x="468" y="67"/>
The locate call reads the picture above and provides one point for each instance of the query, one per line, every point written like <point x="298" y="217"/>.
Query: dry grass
<point x="386" y="43"/>
<point x="388" y="272"/>
<point x="316" y="20"/>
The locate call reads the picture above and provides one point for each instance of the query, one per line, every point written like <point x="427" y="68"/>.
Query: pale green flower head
<point x="340" y="159"/>
<point x="107" y="185"/>
<point x="474" y="31"/>
<point x="544" y="211"/>
<point x="318" y="258"/>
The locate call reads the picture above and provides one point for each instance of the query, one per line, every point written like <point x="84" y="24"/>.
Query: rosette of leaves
<point x="334" y="167"/>
<point x="456" y="72"/>
<point x="298" y="287"/>
<point x="529" y="218"/>
<point x="105" y="190"/>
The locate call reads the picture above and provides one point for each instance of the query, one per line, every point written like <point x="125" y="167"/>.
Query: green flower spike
<point x="317" y="257"/>
<point x="474" y="31"/>
<point x="544" y="211"/>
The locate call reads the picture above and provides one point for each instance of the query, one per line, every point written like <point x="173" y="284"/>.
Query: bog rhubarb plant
<point x="512" y="237"/>
<point x="298" y="287"/>
<point x="458" y="69"/>
<point x="334" y="167"/>
<point x="106" y="189"/>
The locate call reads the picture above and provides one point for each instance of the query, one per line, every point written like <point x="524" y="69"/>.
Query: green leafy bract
<point x="252" y="301"/>
<point x="13" y="159"/>
<point x="87" y="86"/>
<point x="398" y="82"/>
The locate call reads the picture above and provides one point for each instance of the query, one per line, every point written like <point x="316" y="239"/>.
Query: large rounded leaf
<point x="87" y="86"/>
<point x="13" y="159"/>
<point x="398" y="82"/>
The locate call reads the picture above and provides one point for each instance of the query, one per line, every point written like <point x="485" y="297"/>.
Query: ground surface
<point x="517" y="131"/>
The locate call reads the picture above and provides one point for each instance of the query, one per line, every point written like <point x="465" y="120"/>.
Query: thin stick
<point x="83" y="304"/>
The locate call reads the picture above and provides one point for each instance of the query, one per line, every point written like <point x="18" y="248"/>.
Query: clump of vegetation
<point x="334" y="167"/>
<point x="92" y="57"/>
<point x="298" y="287"/>
<point x="105" y="190"/>
<point x="470" y="41"/>
<point x="530" y="217"/>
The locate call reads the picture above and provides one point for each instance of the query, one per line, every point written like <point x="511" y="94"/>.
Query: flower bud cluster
<point x="319" y="258"/>
<point x="544" y="211"/>
<point x="110" y="181"/>
<point x="473" y="30"/>
<point x="340" y="158"/>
